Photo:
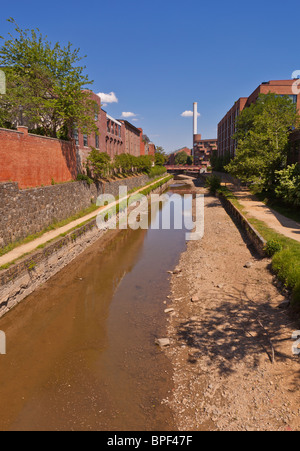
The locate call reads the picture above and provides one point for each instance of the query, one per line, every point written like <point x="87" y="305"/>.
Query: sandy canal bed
<point x="222" y="343"/>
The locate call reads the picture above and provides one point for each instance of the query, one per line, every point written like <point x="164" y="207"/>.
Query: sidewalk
<point x="27" y="248"/>
<point x="270" y="217"/>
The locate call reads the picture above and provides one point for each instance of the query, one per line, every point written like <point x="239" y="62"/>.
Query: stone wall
<point x="26" y="212"/>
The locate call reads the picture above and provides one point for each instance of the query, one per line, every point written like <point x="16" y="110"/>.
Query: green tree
<point x="160" y="156"/>
<point x="190" y="160"/>
<point x="98" y="164"/>
<point x="288" y="185"/>
<point x="262" y="136"/>
<point x="181" y="158"/>
<point x="45" y="85"/>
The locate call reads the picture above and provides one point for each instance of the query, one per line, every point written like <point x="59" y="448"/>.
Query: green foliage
<point x="190" y="160"/>
<point x="288" y="185"/>
<point x="44" y="86"/>
<point x="160" y="156"/>
<point x="84" y="178"/>
<point x="262" y="135"/>
<point x="272" y="247"/>
<point x="98" y="164"/>
<point x="213" y="183"/>
<point x="219" y="163"/>
<point x="286" y="264"/>
<point x="127" y="163"/>
<point x="181" y="158"/>
<point x="156" y="171"/>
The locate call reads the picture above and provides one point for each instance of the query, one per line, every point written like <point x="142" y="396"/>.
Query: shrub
<point x="84" y="178"/>
<point x="156" y="171"/>
<point x="288" y="185"/>
<point x="272" y="247"/>
<point x="213" y="183"/>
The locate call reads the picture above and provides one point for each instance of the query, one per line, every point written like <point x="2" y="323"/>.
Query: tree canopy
<point x="181" y="158"/>
<point x="45" y="85"/>
<point x="160" y="156"/>
<point x="262" y="136"/>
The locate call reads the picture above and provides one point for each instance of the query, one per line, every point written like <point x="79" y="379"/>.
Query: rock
<point x="195" y="299"/>
<point x="284" y="304"/>
<point x="169" y="310"/>
<point x="248" y="265"/>
<point x="177" y="271"/>
<point x="162" y="342"/>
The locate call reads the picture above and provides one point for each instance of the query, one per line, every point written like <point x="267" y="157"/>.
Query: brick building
<point x="226" y="127"/>
<point x="132" y="139"/>
<point x="203" y="149"/>
<point x="109" y="138"/>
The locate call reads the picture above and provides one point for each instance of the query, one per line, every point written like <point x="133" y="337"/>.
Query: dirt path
<point x="272" y="218"/>
<point x="222" y="344"/>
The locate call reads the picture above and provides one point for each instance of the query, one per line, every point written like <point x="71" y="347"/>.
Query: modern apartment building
<point x="227" y="126"/>
<point x="203" y="149"/>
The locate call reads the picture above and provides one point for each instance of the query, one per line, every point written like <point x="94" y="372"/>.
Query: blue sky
<point x="160" y="56"/>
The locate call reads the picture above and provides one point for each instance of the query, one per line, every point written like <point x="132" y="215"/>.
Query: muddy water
<point x="80" y="350"/>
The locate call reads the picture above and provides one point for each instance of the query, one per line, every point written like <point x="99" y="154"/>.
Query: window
<point x="85" y="140"/>
<point x="76" y="137"/>
<point x="108" y="126"/>
<point x="120" y="131"/>
<point x="97" y="141"/>
<point x="293" y="98"/>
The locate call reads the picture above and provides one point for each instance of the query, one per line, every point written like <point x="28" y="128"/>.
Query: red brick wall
<point x="33" y="160"/>
<point x="151" y="149"/>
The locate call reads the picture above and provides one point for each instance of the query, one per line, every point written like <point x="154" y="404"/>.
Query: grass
<point x="285" y="262"/>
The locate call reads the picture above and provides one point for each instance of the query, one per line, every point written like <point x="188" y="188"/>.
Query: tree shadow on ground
<point x="238" y="329"/>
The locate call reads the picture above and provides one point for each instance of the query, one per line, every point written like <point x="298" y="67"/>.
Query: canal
<point x="81" y="351"/>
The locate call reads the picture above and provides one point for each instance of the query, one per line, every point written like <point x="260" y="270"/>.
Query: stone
<point x="284" y="304"/>
<point x="248" y="265"/>
<point x="169" y="310"/>
<point x="177" y="271"/>
<point x="195" y="299"/>
<point x="162" y="342"/>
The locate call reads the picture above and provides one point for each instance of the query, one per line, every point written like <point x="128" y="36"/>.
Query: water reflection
<point x="80" y="350"/>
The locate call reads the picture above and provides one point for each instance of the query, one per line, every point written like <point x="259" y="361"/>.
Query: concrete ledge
<point x="257" y="240"/>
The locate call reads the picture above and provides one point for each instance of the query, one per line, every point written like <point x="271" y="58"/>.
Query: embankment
<point x="29" y="211"/>
<point x="23" y="277"/>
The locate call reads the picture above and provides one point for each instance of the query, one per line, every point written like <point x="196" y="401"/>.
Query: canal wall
<point x="25" y="276"/>
<point x="255" y="238"/>
<point x="29" y="211"/>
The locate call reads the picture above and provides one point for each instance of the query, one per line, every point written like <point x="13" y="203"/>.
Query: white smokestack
<point x="195" y="118"/>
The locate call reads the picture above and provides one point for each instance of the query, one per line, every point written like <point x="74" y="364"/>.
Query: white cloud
<point x="128" y="114"/>
<point x="189" y="114"/>
<point x="108" y="98"/>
